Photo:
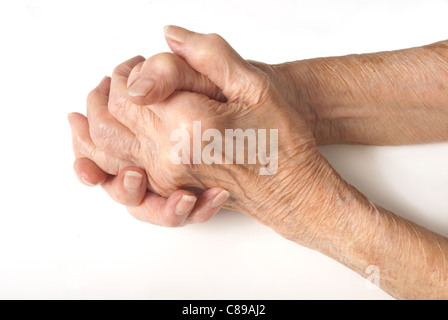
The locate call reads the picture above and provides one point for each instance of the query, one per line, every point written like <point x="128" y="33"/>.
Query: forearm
<point x="412" y="261"/>
<point x="385" y="98"/>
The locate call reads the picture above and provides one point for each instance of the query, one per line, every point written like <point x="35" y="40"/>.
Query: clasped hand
<point x="131" y="118"/>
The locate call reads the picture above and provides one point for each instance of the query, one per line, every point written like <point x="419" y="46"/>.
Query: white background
<point x="59" y="239"/>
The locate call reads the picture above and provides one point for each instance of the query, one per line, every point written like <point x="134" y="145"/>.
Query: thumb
<point x="212" y="56"/>
<point x="158" y="77"/>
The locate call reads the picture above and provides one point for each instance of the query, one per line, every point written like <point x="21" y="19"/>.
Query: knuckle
<point x="165" y="63"/>
<point x="215" y="39"/>
<point x="93" y="154"/>
<point x="99" y="132"/>
<point x="83" y="146"/>
<point x="163" y="58"/>
<point x="135" y="151"/>
<point x="116" y="104"/>
<point x="91" y="98"/>
<point x="213" y="43"/>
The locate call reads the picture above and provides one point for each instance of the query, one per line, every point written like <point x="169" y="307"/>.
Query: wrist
<point x="320" y="95"/>
<point x="304" y="86"/>
<point x="314" y="207"/>
<point x="297" y="199"/>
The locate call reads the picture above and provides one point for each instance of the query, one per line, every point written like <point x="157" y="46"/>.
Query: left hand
<point x="125" y="182"/>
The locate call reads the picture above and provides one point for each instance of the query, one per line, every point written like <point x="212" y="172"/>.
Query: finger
<point x="86" y="148"/>
<point x="176" y="104"/>
<point x="213" y="57"/>
<point x="108" y="133"/>
<point x="208" y="204"/>
<point x="75" y="149"/>
<point x="135" y="117"/>
<point x="171" y="212"/>
<point x="128" y="188"/>
<point x="88" y="172"/>
<point x="159" y="76"/>
<point x="82" y="143"/>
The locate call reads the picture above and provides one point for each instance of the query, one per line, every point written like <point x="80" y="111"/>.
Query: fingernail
<point x="220" y="198"/>
<point x="141" y="87"/>
<point x="185" y="205"/>
<point x="132" y="180"/>
<point x="87" y="183"/>
<point x="172" y="32"/>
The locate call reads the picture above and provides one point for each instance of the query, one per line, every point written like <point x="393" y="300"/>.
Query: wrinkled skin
<point x="130" y="119"/>
<point x="141" y="136"/>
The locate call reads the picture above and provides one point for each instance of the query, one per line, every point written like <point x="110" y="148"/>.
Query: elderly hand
<point x="133" y="123"/>
<point x="244" y="98"/>
<point x="127" y="183"/>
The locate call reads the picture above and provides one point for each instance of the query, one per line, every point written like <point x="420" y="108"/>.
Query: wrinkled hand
<point x="126" y="183"/>
<point x="123" y="181"/>
<point x="252" y="101"/>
